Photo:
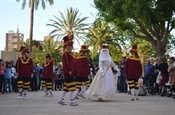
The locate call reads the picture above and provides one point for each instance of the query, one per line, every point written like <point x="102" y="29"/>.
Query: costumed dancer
<point x="69" y="71"/>
<point x="47" y="75"/>
<point x="103" y="84"/>
<point x="82" y="72"/>
<point x="24" y="70"/>
<point x="133" y="71"/>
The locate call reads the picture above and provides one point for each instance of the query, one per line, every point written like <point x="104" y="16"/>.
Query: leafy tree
<point x="115" y="53"/>
<point x="171" y="46"/>
<point x="101" y="32"/>
<point x="24" y="43"/>
<point x="151" y="20"/>
<point x="34" y="4"/>
<point x="98" y="34"/>
<point x="69" y="24"/>
<point x="53" y="48"/>
<point x="37" y="44"/>
<point x="37" y="55"/>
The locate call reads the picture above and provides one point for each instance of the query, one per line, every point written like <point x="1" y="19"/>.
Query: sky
<point x="12" y="16"/>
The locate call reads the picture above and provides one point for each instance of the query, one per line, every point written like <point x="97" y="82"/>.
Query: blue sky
<point x="11" y="16"/>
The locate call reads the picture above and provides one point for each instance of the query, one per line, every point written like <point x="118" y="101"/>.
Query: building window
<point x="15" y="40"/>
<point x="21" y="39"/>
<point x="9" y="38"/>
<point x="15" y="46"/>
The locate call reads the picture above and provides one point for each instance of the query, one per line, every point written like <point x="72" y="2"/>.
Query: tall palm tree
<point x="32" y="4"/>
<point x="98" y="34"/>
<point x="69" y="24"/>
<point x="53" y="48"/>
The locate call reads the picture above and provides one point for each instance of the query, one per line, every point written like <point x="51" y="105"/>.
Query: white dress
<point x="104" y="84"/>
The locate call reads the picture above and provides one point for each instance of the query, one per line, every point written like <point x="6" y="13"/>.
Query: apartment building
<point x="13" y="40"/>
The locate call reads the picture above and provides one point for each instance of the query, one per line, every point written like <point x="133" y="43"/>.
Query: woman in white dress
<point x="104" y="84"/>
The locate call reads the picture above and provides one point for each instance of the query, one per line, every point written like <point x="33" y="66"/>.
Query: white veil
<point x="104" y="55"/>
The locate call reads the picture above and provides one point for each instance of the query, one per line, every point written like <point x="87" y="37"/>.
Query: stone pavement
<point x="120" y="104"/>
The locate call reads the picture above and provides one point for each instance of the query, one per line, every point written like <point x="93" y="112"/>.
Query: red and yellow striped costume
<point x="24" y="68"/>
<point x="47" y="74"/>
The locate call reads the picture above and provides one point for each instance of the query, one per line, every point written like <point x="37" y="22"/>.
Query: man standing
<point x="148" y="71"/>
<point x="24" y="70"/>
<point x="82" y="72"/>
<point x="133" y="71"/>
<point x="69" y="71"/>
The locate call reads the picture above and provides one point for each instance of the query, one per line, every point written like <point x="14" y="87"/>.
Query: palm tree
<point x="69" y="24"/>
<point x="53" y="48"/>
<point x="24" y="43"/>
<point x="32" y="4"/>
<point x="98" y="34"/>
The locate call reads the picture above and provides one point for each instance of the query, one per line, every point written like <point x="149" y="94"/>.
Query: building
<point x="9" y="55"/>
<point x="13" y="40"/>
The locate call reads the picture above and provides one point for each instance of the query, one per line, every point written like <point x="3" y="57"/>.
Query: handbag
<point x="159" y="78"/>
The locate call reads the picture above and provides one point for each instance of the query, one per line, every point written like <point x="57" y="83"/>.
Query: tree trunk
<point x="31" y="24"/>
<point x="160" y="48"/>
<point x="158" y="45"/>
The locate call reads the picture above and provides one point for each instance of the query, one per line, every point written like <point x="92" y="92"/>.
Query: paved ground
<point x="121" y="104"/>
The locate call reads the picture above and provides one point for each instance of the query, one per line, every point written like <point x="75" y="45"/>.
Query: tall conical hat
<point x="83" y="48"/>
<point x="67" y="41"/>
<point x="24" y="49"/>
<point x="134" y="48"/>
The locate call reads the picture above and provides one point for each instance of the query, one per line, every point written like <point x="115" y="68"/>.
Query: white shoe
<point x="62" y="102"/>
<point x="24" y="97"/>
<point x="46" y="94"/>
<point x="74" y="103"/>
<point x="76" y="97"/>
<point x="100" y="100"/>
<point x="81" y="95"/>
<point x="137" y="98"/>
<point x="19" y="96"/>
<point x="132" y="99"/>
<point x="50" y="95"/>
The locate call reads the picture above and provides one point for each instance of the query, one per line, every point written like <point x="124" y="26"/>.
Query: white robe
<point x="104" y="83"/>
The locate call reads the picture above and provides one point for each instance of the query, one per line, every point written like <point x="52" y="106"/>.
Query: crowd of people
<point x="76" y="76"/>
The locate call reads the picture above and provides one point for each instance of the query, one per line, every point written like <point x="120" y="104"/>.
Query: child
<point x="8" y="78"/>
<point x="141" y="90"/>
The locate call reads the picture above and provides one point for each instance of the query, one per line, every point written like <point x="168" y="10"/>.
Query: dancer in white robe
<point x="104" y="84"/>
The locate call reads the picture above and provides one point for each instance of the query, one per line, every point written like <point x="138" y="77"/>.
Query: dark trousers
<point x="58" y="84"/>
<point x="33" y="83"/>
<point x="8" y="87"/>
<point x="122" y="83"/>
<point x="1" y="82"/>
<point x="14" y="85"/>
<point x="146" y="79"/>
<point x="39" y="83"/>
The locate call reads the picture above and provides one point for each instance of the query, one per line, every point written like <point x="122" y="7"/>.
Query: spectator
<point x="122" y="78"/>
<point x="14" y="77"/>
<point x="163" y="69"/>
<point x="171" y="70"/>
<point x="2" y="72"/>
<point x="33" y="83"/>
<point x="149" y="70"/>
<point x="8" y="77"/>
<point x="59" y="77"/>
<point x="40" y="68"/>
